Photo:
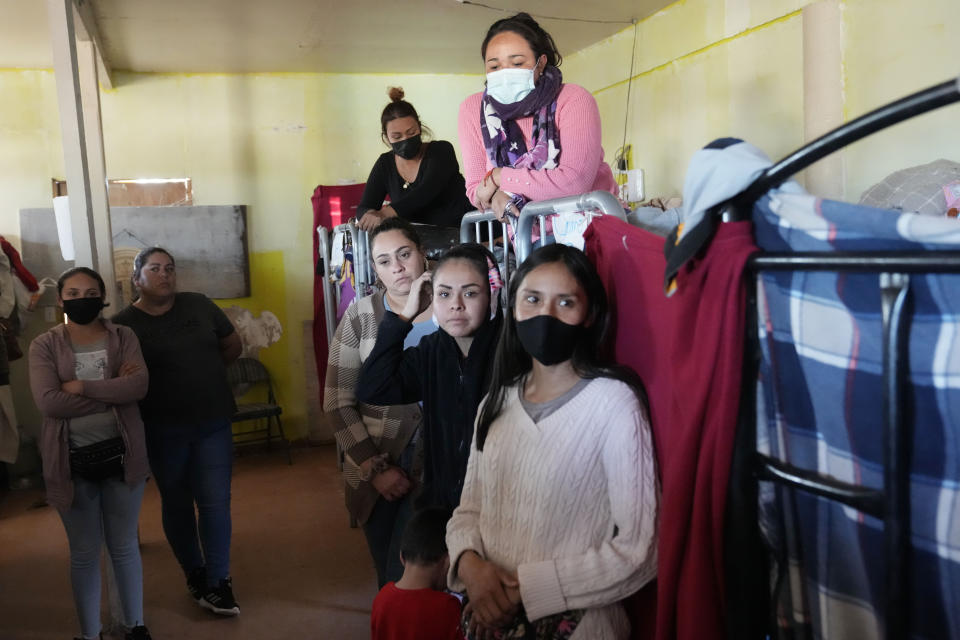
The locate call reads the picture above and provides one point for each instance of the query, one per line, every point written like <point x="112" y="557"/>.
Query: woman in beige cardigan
<point x="379" y="443"/>
<point x="87" y="376"/>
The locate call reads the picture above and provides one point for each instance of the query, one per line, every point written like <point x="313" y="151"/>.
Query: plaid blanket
<point x="819" y="408"/>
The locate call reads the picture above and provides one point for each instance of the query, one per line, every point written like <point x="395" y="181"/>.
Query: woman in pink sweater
<point x="528" y="136"/>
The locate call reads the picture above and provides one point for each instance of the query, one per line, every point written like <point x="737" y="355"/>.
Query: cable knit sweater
<point x="570" y="503"/>
<point x="581" y="166"/>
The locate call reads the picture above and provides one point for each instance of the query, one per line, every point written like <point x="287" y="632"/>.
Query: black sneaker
<point x="220" y="599"/>
<point x="138" y="633"/>
<point x="197" y="583"/>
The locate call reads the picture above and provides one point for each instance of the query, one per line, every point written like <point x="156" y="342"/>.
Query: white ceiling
<point x="335" y="36"/>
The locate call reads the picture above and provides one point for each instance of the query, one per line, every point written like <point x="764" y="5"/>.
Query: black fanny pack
<point x="98" y="461"/>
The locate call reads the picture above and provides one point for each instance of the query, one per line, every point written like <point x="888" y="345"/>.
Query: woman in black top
<point x="449" y="371"/>
<point x="422" y="179"/>
<point x="187" y="343"/>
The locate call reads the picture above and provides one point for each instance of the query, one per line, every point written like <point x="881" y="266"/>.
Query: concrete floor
<point x="299" y="571"/>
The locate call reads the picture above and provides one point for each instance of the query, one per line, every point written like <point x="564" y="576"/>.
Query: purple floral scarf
<point x="504" y="142"/>
<point x="502" y="136"/>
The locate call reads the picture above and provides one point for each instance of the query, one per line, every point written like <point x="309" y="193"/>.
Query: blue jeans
<point x="191" y="464"/>
<point x="109" y="510"/>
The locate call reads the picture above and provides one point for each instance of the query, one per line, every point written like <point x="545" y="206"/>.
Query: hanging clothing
<point x="716" y="173"/>
<point x="16" y="265"/>
<point x="347" y="283"/>
<point x="688" y="349"/>
<point x="332" y="205"/>
<point x="8" y="295"/>
<point x="9" y="320"/>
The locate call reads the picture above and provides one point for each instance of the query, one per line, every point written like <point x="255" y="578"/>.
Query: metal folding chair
<point x="250" y="371"/>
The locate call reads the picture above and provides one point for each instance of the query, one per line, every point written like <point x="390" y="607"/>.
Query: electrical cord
<point x="536" y="15"/>
<point x="626" y="112"/>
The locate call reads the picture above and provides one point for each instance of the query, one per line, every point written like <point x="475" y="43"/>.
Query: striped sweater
<point x="362" y="430"/>
<point x="570" y="503"/>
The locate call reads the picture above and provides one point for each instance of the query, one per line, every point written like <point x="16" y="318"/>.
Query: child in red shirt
<point x="416" y="606"/>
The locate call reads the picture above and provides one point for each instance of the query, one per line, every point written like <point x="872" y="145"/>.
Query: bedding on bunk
<point x="922" y="189"/>
<point x="819" y="408"/>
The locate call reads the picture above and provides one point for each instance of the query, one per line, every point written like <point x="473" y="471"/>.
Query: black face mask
<point x="83" y="310"/>
<point x="548" y="340"/>
<point x="408" y="148"/>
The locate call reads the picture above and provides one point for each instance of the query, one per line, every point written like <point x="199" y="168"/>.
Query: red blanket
<point x="331" y="206"/>
<point x="688" y="349"/>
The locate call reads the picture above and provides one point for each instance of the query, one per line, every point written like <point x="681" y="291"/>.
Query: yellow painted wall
<point x="705" y="69"/>
<point x="268" y="284"/>
<point x="895" y="48"/>
<point x="264" y="140"/>
<point x="702" y="69"/>
<point x="30" y="149"/>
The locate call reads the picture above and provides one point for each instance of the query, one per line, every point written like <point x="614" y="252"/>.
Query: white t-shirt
<point x="90" y="363"/>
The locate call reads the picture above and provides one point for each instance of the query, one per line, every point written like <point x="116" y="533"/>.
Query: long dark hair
<point x="591" y="357"/>
<point x="524" y="25"/>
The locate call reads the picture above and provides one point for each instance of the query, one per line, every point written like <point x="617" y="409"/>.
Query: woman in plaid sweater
<point x="379" y="442"/>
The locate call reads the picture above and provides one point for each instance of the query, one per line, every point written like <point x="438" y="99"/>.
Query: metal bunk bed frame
<point x="475" y="223"/>
<point x="747" y="562"/>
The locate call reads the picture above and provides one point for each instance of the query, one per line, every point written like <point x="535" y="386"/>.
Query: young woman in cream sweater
<point x="557" y="522"/>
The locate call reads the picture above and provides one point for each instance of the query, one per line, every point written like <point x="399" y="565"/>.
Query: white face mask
<point x="508" y="86"/>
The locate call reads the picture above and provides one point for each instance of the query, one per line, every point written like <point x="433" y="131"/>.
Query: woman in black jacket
<point x="422" y="179"/>
<point x="449" y="371"/>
